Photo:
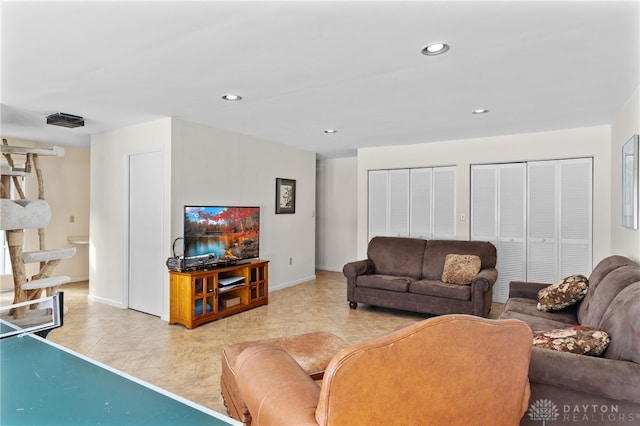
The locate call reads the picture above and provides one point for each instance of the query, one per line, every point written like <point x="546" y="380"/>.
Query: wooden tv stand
<point x="197" y="297"/>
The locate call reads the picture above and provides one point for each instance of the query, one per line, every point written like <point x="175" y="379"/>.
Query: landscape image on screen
<point x="224" y="233"/>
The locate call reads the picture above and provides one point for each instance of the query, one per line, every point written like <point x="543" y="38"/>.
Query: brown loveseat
<point x="405" y="273"/>
<point x="447" y="370"/>
<point x="585" y="389"/>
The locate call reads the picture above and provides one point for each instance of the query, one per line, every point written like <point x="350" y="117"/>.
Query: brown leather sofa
<point x="405" y="273"/>
<point x="585" y="389"/>
<point x="446" y="370"/>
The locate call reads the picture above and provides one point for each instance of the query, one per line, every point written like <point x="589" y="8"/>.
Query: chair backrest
<point x="452" y="369"/>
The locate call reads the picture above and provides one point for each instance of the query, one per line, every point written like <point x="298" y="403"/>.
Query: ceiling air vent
<point x="65" y="120"/>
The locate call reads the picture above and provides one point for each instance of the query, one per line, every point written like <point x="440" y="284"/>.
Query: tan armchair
<point x="447" y="370"/>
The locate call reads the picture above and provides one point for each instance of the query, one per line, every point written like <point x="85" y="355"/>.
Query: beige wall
<point x="584" y="142"/>
<point x="66" y="189"/>
<point x="626" y="123"/>
<point x="201" y="165"/>
<point x="336" y="213"/>
<point x="217" y="167"/>
<point x="109" y="205"/>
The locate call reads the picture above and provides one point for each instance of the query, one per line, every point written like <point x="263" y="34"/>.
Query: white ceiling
<point x="305" y="66"/>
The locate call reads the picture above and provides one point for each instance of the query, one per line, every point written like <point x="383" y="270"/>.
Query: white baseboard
<point x="291" y="283"/>
<point x="106" y="301"/>
<point x="330" y="268"/>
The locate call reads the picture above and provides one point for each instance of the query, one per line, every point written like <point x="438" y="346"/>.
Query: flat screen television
<point x="216" y="235"/>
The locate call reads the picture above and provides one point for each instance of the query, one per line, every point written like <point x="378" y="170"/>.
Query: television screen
<point x="221" y="233"/>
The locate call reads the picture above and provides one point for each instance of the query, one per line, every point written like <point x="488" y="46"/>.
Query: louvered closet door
<point x="389" y="203"/>
<point x="543" y="221"/>
<point x="484" y="202"/>
<point x="378" y="200"/>
<point x="560" y="219"/>
<point x="444" y="202"/>
<point x="576" y="217"/>
<point x="399" y="203"/>
<point x="498" y="209"/>
<point x="539" y="216"/>
<point x="420" y="217"/>
<point x="412" y="202"/>
<point x="512" y="227"/>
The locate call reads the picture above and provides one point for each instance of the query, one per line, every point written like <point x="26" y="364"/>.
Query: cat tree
<point x="17" y="214"/>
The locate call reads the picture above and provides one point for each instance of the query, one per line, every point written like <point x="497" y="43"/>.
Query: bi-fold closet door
<point x="417" y="203"/>
<point x="539" y="216"/>
<point x="498" y="214"/>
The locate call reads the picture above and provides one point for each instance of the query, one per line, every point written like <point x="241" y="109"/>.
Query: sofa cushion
<point x="436" y="252"/>
<point x="578" y="339"/>
<point x="526" y="310"/>
<point x="606" y="266"/>
<point x="397" y="256"/>
<point x="602" y="269"/>
<point x="440" y="289"/>
<point x="460" y="268"/>
<point x="312" y="351"/>
<point x="565" y="292"/>
<point x="384" y="282"/>
<point x="621" y="321"/>
<point x="601" y="296"/>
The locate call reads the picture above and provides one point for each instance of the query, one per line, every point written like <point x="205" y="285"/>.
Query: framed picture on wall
<point x="285" y="196"/>
<point x="630" y="183"/>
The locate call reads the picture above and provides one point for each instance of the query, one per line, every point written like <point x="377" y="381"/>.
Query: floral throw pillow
<point x="578" y="340"/>
<point x="460" y="268"/>
<point x="565" y="292"/>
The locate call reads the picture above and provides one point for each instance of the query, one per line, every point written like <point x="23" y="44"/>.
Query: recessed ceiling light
<point x="230" y="97"/>
<point x="328" y="131"/>
<point x="434" y="49"/>
<point x="480" y="111"/>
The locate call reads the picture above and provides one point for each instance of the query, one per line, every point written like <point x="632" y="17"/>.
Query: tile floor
<point x="187" y="362"/>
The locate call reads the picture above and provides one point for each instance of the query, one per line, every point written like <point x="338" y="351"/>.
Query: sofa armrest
<point x="481" y="295"/>
<point x="275" y="388"/>
<point x="486" y="278"/>
<point x="359" y="267"/>
<point x="525" y="289"/>
<point x="603" y="377"/>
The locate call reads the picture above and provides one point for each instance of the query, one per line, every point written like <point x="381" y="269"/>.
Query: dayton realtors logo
<point x="546" y="410"/>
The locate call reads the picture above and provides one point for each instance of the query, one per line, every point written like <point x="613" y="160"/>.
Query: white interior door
<point x="146" y="272"/>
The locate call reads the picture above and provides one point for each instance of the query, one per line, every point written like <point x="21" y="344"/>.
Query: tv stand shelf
<point x="197" y="297"/>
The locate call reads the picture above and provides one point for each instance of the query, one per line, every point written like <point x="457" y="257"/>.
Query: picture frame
<point x="285" y="196"/>
<point x="630" y="183"/>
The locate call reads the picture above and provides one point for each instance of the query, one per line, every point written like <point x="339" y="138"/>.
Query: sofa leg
<point x="353" y="305"/>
